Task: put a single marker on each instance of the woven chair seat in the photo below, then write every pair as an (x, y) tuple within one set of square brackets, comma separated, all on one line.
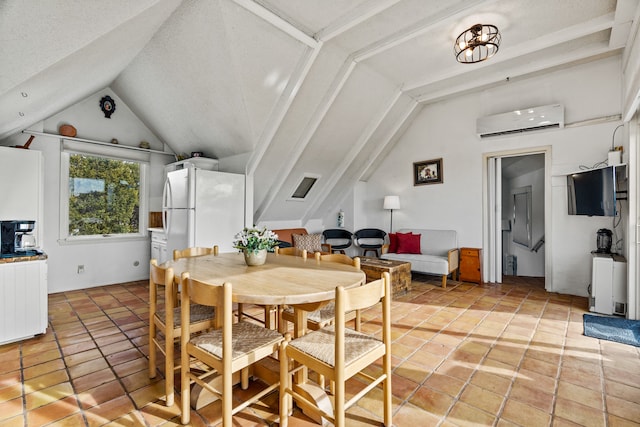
[(197, 313), (247, 337), (321, 344)]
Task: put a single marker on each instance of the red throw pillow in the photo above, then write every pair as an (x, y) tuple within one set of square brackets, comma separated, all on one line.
[(409, 243), (393, 241)]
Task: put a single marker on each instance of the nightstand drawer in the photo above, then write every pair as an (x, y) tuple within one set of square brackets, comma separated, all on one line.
[(470, 252), (471, 265)]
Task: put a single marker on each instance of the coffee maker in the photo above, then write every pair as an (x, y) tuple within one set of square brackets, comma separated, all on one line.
[(604, 241), (16, 238)]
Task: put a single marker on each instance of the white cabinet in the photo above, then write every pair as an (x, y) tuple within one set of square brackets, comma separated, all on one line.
[(159, 245), (23, 300), (608, 284)]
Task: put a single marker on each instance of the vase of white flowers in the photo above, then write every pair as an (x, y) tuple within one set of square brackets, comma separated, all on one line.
[(255, 243)]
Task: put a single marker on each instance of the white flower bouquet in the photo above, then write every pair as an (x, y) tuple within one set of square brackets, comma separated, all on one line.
[(254, 240)]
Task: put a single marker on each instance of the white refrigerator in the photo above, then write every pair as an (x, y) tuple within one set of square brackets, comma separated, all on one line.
[(203, 208)]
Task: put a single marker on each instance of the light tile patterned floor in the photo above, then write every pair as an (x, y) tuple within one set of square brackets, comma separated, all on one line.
[(501, 355)]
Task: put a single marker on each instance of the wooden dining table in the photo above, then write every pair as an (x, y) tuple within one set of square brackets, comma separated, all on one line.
[(281, 280), (304, 284)]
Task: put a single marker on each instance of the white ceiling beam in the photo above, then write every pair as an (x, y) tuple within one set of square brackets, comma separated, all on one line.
[(311, 128), (625, 13), (417, 29), (278, 22), (571, 33), (353, 18), (282, 108), (353, 153), (633, 33), (392, 138), (350, 177), (482, 81)]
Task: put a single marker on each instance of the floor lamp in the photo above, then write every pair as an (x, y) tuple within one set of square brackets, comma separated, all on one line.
[(391, 203)]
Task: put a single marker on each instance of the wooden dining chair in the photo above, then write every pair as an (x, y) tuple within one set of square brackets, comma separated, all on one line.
[(325, 315), (195, 251), (229, 348), (291, 251), (338, 353), (164, 323)]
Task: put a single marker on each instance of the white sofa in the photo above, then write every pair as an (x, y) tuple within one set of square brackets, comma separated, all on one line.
[(439, 253)]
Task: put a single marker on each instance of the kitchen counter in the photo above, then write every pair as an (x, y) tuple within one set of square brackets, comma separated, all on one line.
[(39, 257)]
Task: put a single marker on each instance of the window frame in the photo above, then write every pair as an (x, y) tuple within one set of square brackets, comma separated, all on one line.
[(70, 148)]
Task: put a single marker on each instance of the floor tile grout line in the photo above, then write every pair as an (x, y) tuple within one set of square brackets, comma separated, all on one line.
[(500, 411), (103, 356), (545, 317), (66, 367), (467, 382)]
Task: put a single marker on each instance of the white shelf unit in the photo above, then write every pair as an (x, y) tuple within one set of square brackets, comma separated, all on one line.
[(608, 284), (23, 300)]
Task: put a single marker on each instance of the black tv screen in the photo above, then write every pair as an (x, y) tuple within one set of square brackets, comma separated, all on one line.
[(592, 192)]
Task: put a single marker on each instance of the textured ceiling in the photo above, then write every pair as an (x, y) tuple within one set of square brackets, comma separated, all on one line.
[(321, 87)]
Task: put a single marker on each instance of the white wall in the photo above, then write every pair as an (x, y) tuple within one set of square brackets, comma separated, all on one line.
[(447, 130), (104, 262)]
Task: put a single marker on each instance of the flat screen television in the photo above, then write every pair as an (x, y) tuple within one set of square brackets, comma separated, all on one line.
[(592, 192)]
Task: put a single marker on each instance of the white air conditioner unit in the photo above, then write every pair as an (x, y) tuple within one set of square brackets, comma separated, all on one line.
[(518, 121)]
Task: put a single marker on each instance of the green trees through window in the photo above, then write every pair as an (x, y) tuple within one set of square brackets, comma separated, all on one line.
[(104, 196)]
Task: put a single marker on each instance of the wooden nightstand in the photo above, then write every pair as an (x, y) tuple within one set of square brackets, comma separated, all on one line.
[(471, 265)]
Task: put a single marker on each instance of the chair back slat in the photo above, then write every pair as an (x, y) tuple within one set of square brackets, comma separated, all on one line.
[(160, 275), (195, 251), (292, 250), (361, 297), (203, 293)]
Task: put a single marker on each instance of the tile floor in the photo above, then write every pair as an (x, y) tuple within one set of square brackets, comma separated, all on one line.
[(502, 355)]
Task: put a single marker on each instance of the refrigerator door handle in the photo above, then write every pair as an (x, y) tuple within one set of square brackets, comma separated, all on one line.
[(166, 204)]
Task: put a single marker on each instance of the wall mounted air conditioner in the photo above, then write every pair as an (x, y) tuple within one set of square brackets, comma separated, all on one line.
[(518, 121)]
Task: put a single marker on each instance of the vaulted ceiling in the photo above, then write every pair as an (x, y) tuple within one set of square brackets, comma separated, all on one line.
[(315, 87)]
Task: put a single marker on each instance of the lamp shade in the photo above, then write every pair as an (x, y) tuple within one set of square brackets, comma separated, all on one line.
[(391, 202)]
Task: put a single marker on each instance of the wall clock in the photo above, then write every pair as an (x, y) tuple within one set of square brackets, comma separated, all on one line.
[(108, 106)]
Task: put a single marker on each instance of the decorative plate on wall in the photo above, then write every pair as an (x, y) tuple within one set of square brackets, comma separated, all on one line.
[(108, 106)]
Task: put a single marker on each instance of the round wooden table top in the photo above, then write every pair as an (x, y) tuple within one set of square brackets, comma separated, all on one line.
[(283, 279)]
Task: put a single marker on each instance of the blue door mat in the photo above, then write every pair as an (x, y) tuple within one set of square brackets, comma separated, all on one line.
[(616, 329)]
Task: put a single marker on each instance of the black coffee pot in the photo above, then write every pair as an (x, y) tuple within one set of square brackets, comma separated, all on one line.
[(604, 241)]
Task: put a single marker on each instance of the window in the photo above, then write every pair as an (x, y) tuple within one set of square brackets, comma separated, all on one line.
[(101, 196), (304, 187)]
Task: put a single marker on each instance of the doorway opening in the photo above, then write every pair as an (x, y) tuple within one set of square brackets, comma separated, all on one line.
[(517, 206)]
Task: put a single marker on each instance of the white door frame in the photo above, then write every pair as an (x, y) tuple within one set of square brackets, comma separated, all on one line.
[(633, 233), (491, 232)]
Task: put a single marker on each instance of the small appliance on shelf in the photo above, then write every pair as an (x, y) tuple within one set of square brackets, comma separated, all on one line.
[(204, 163), (17, 238)]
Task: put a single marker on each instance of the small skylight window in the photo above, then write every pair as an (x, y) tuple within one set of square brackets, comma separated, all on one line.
[(304, 187)]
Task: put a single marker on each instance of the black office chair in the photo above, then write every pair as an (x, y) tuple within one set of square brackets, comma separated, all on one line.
[(339, 239), (370, 240)]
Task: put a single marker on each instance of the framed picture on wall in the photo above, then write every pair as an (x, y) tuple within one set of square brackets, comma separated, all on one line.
[(427, 172)]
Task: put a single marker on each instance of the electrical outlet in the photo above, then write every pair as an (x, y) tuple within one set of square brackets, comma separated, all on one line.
[(80, 269)]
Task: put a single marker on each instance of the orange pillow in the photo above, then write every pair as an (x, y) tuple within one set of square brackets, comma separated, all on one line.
[(409, 243)]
